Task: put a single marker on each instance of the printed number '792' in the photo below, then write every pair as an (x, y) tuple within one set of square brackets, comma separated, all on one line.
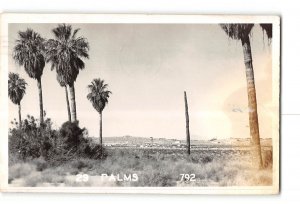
[(187, 177)]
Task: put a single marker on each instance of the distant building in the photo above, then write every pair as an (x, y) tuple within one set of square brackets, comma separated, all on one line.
[(177, 142)]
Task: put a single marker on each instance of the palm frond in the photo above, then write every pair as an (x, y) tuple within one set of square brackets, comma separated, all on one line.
[(60, 80), (66, 52), (29, 52), (98, 94), (75, 32), (237, 31), (267, 27), (16, 88)]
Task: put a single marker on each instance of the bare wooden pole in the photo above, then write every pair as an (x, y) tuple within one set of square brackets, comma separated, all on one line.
[(188, 139)]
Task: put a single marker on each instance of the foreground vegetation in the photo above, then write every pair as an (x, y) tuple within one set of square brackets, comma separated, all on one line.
[(154, 168), (41, 156)]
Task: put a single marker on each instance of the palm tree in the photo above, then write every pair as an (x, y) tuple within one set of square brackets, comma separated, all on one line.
[(29, 52), (65, 53), (63, 84), (16, 91), (241, 32), (98, 95)]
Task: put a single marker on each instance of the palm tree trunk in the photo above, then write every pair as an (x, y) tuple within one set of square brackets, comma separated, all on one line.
[(73, 103), (100, 131), (187, 124), (252, 104), (39, 84), (20, 118), (68, 104)]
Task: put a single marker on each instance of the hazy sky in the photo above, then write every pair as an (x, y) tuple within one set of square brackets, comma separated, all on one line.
[(148, 67)]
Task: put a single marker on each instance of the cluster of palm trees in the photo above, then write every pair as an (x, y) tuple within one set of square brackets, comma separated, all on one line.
[(65, 53)]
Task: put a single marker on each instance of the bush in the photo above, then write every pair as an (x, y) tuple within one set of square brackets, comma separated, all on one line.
[(72, 143), (207, 159), (33, 141), (71, 134), (40, 163), (267, 157), (80, 164), (20, 170)]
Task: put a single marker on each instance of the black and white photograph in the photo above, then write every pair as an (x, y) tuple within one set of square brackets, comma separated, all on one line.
[(137, 103)]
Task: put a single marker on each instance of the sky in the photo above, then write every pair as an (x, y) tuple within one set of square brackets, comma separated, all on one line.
[(148, 67)]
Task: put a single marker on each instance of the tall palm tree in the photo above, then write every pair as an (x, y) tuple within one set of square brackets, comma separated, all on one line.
[(98, 95), (65, 52), (63, 84), (29, 52), (16, 91), (241, 32)]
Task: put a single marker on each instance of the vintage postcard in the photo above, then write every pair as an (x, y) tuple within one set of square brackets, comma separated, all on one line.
[(168, 104)]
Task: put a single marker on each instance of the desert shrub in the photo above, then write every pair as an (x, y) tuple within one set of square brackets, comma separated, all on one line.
[(55, 176), (267, 157), (20, 170), (207, 159), (40, 163), (91, 150), (156, 177), (71, 135), (73, 144), (13, 159), (31, 140), (80, 164), (33, 179), (195, 158)]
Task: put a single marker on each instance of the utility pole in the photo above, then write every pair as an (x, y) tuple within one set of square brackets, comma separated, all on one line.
[(188, 139)]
